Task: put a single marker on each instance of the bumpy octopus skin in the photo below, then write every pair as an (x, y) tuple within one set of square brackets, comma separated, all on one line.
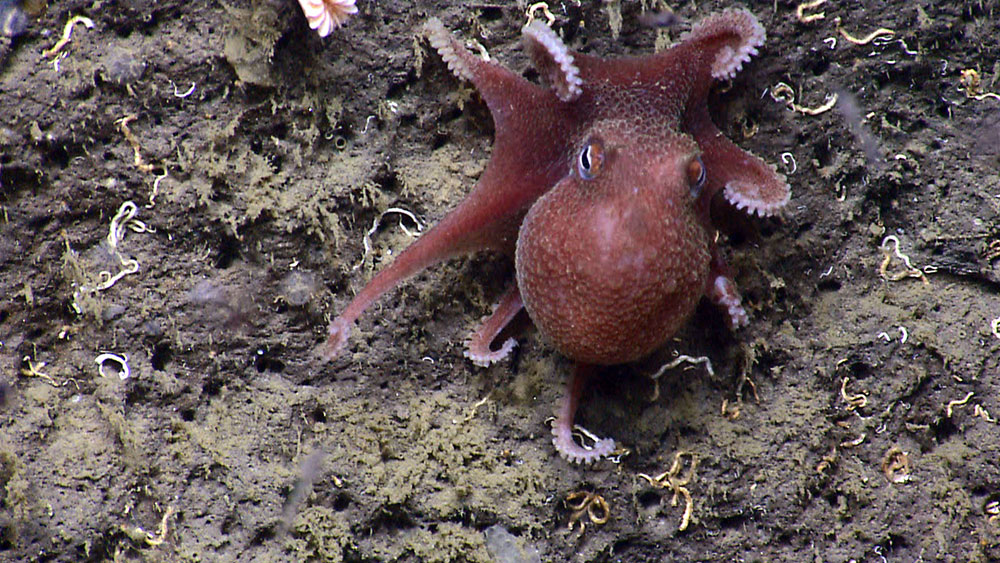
[(601, 187)]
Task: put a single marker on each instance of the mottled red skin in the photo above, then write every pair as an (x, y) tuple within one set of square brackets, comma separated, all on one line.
[(608, 265), (609, 268)]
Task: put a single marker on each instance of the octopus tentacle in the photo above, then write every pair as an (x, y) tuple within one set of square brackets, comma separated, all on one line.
[(721, 291), (478, 345), (460, 62), (763, 198), (724, 294), (746, 181), (553, 60), (496, 84), (730, 57), (562, 428), (337, 334)]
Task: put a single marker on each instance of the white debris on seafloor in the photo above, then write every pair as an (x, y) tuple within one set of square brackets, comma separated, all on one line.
[(327, 15)]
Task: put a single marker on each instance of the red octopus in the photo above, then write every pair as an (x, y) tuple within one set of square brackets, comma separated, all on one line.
[(600, 186)]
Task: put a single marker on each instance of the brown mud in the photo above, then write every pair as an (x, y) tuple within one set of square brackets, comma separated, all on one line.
[(835, 427)]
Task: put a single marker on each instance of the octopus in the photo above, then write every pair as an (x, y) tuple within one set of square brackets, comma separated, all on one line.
[(603, 184)]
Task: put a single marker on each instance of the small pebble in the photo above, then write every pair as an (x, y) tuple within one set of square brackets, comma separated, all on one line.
[(112, 312), (505, 547), (152, 329), (34, 8), (122, 68), (13, 20), (298, 287)]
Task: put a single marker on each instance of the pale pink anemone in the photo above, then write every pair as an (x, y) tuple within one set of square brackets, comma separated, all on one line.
[(327, 15)]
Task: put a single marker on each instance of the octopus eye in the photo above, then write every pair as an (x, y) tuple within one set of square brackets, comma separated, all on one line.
[(696, 175), (591, 159)]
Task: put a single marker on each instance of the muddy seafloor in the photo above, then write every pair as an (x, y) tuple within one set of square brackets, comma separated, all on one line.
[(853, 419)]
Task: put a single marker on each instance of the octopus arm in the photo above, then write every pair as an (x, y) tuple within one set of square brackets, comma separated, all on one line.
[(553, 60), (745, 180), (730, 38), (496, 84), (478, 345), (562, 427)]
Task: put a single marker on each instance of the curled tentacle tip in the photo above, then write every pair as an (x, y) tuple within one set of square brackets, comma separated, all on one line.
[(327, 352), (731, 58), (574, 453), (578, 455), (763, 201), (483, 357), (432, 25), (336, 341), (452, 52), (554, 60)]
